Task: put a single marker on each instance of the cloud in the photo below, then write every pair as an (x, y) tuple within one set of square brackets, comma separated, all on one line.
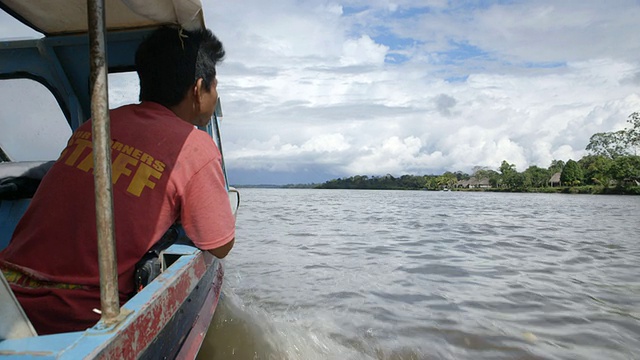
[(362, 51), (444, 104), (331, 89), (480, 85)]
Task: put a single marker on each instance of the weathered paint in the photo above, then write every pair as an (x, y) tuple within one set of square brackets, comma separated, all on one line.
[(151, 320), (41, 347), (26, 353), (151, 310), (175, 336), (193, 342)]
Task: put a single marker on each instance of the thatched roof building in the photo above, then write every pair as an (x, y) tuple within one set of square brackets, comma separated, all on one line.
[(555, 180), (482, 183)]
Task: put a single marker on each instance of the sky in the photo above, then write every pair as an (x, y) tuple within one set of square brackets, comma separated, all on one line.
[(315, 90)]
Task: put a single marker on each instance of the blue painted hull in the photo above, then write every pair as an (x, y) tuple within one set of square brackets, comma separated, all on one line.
[(167, 319)]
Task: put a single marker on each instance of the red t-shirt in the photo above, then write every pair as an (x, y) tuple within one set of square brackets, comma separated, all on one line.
[(163, 170)]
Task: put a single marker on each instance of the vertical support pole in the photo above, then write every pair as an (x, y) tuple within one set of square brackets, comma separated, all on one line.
[(216, 124), (102, 163)]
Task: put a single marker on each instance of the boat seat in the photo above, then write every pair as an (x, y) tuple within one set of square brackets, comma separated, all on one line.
[(18, 181), (30, 169), (14, 323)]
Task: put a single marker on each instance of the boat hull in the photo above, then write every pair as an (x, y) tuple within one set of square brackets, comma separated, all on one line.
[(167, 319)]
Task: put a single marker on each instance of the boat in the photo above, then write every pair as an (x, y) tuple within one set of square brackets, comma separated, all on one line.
[(170, 316)]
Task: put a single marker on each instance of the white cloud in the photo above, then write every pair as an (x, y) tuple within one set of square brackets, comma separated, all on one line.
[(392, 156), (326, 143), (363, 51), (309, 84)]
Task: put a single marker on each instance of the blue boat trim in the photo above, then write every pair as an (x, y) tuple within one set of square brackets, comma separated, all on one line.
[(100, 341)]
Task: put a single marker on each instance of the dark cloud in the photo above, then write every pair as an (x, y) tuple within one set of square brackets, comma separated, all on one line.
[(633, 79), (444, 104), (309, 174)]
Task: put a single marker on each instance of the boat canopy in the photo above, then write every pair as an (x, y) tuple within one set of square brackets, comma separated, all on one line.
[(54, 18)]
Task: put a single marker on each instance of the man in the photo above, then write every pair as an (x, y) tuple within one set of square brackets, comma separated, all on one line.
[(163, 170)]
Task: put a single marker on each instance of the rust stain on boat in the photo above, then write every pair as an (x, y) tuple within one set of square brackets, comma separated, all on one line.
[(144, 329)]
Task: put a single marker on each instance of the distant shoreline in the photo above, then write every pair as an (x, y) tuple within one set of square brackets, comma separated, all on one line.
[(588, 189), (270, 186)]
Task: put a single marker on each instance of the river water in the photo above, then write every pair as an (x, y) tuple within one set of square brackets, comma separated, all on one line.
[(348, 274)]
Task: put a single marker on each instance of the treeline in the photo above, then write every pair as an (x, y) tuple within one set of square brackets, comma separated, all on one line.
[(387, 182), (612, 163)]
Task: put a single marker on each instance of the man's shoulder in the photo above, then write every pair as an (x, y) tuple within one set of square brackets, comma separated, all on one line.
[(149, 117), (198, 135), (145, 109), (202, 143)]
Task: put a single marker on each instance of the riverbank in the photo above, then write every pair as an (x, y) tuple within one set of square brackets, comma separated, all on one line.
[(589, 189)]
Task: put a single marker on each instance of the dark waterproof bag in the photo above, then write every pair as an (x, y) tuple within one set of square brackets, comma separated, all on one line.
[(150, 266)]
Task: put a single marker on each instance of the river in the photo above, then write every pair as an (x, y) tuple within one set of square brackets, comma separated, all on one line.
[(348, 274)]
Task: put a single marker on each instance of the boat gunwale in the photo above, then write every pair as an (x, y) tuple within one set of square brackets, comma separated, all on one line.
[(161, 300)]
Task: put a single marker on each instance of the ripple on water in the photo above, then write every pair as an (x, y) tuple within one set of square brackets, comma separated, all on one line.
[(302, 234), (319, 266), (436, 269), (421, 256), (382, 250), (407, 298), (343, 295)]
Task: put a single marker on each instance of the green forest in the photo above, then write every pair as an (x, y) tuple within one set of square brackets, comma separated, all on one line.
[(612, 166)]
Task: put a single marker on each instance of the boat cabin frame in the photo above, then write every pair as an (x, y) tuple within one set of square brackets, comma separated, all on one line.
[(170, 316)]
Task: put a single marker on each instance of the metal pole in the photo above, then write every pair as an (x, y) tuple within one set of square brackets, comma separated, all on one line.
[(217, 114), (102, 163)]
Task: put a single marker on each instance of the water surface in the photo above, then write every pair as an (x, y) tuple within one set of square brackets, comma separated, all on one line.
[(347, 274)]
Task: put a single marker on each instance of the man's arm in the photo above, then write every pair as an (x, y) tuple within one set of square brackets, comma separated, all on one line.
[(223, 250), (205, 210)]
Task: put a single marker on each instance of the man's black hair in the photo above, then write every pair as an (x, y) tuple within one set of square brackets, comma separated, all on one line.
[(171, 60)]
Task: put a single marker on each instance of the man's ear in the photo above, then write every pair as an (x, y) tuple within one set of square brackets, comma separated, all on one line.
[(198, 89)]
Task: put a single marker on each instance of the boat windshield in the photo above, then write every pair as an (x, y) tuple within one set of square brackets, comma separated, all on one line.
[(33, 125), (124, 88)]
